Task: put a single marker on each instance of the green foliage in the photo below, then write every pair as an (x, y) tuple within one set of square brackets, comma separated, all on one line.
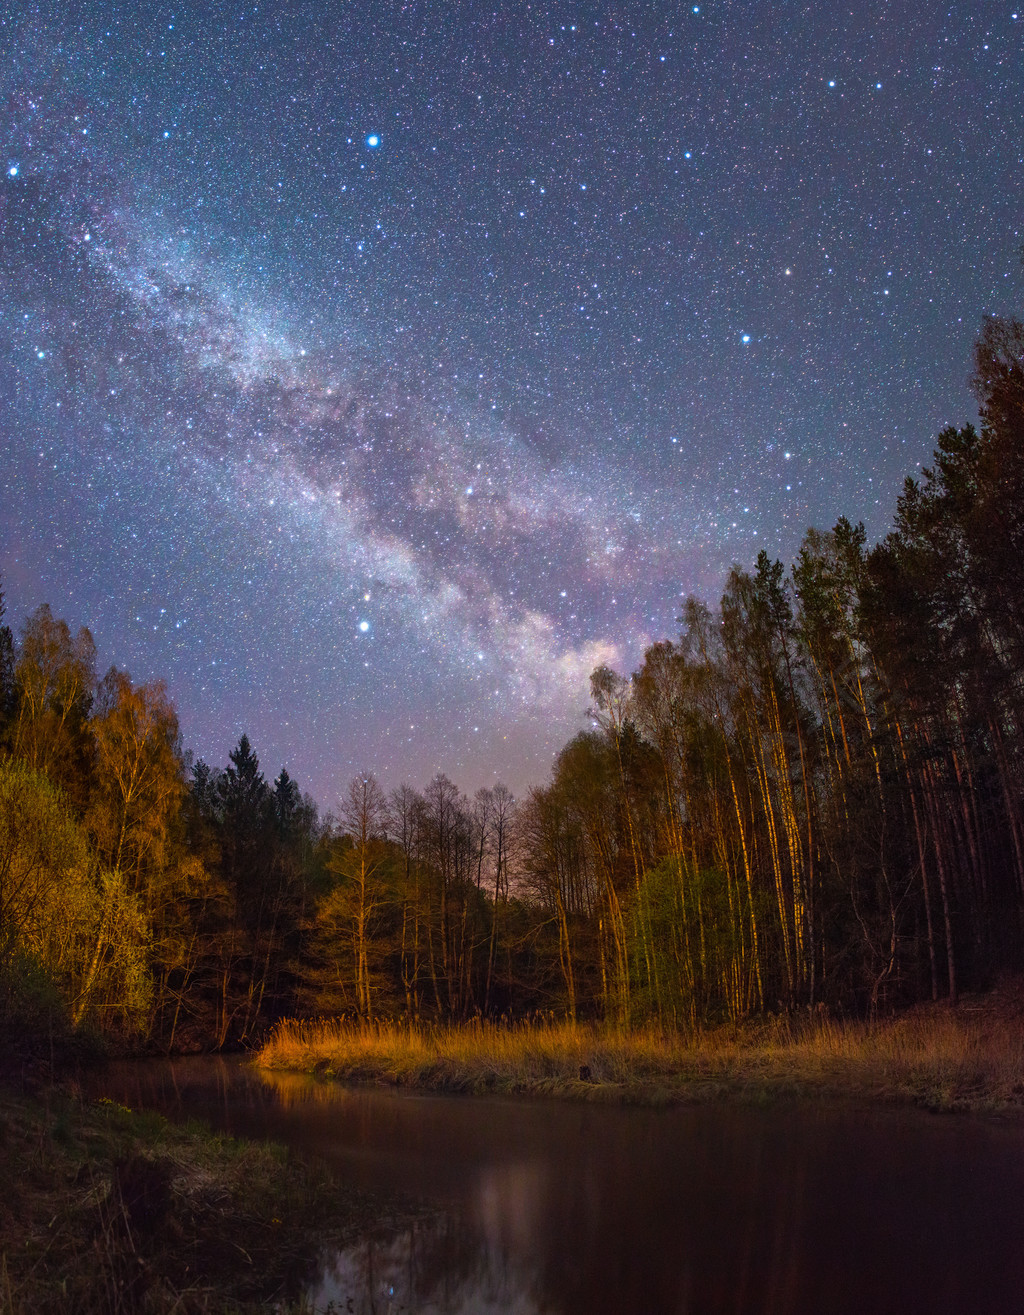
[(65, 922), (42, 855)]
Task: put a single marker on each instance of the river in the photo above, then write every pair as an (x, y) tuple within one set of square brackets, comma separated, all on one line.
[(584, 1209)]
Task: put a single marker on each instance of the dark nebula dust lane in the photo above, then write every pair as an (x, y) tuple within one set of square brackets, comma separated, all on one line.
[(371, 374)]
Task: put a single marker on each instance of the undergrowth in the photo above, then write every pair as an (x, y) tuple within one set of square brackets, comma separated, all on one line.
[(109, 1212)]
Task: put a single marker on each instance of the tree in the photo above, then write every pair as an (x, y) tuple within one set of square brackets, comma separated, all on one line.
[(40, 847), (501, 815), (243, 823), (63, 910), (405, 809), (446, 849), (995, 531), (139, 777), (361, 859), (54, 680), (554, 859), (757, 635)]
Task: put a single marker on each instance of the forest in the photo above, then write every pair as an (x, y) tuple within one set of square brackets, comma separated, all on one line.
[(813, 797)]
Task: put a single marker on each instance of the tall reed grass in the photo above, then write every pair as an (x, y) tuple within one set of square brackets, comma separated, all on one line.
[(939, 1058)]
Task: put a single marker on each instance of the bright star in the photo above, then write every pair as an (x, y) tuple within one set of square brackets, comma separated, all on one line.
[(12, 171), (373, 140), (364, 626), (745, 338)]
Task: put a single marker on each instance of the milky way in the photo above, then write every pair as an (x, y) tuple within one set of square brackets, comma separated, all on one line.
[(372, 373)]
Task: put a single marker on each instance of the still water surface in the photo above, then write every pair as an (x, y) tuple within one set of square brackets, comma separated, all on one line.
[(574, 1209)]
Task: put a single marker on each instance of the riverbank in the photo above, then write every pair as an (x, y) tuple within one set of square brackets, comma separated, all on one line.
[(106, 1210), (970, 1058)]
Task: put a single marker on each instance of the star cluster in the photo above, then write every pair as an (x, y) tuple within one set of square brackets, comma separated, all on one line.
[(372, 373)]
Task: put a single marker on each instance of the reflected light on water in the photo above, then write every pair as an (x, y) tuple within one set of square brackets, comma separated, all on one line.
[(573, 1209), (433, 1269)]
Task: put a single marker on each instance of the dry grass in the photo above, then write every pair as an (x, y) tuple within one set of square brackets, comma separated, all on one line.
[(972, 1058)]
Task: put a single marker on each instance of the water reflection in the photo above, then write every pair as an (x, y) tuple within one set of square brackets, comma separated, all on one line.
[(581, 1209), (435, 1268)]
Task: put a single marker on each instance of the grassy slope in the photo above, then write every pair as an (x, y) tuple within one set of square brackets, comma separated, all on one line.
[(971, 1058), (103, 1210)]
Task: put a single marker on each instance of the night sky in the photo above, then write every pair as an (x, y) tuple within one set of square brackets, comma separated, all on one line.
[(371, 372)]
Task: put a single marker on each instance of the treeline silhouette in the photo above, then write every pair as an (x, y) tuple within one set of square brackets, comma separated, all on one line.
[(814, 796)]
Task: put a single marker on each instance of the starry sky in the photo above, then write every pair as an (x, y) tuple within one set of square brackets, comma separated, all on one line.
[(372, 372)]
